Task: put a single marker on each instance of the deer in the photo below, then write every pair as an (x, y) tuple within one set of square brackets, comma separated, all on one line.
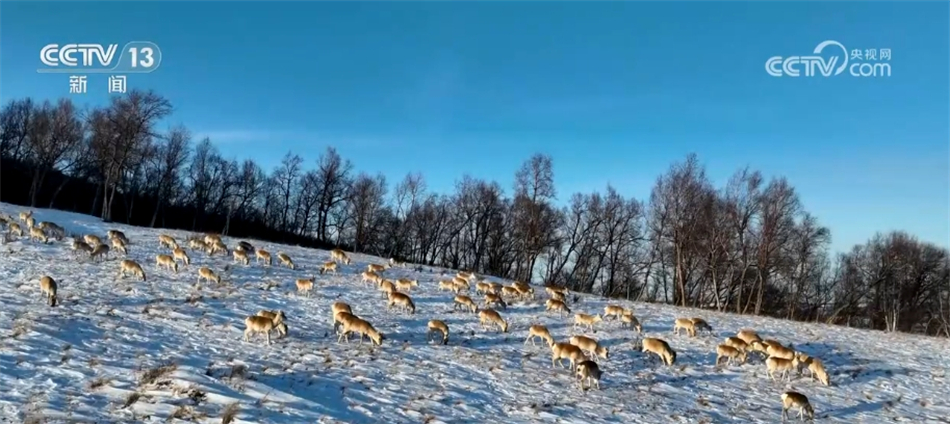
[(794, 399), (459, 281), (539, 331), (305, 285), (38, 234), (92, 240), (339, 255), (490, 317), (15, 229), (241, 256), (119, 245), (701, 324), (165, 240), (263, 255), (510, 292), (100, 250), (281, 326), (180, 254), (615, 311), (661, 348), (246, 247), (48, 287), (403, 300), (562, 350), (363, 327), (684, 324), (493, 299), (781, 365), (258, 324), (328, 267), (815, 367), (588, 320), (730, 353), (212, 238), (132, 267), (446, 285), (205, 273), (463, 301), (628, 319), (438, 326), (748, 336), (81, 246), (406, 284), (166, 261), (340, 306), (590, 345), (588, 370), (524, 292), (387, 287), (371, 277), (59, 232), (556, 305), (736, 343), (111, 234)]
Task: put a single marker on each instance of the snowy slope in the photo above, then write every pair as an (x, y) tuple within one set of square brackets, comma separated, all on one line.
[(122, 350)]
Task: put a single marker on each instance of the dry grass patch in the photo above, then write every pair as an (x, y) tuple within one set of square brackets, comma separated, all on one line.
[(152, 375)]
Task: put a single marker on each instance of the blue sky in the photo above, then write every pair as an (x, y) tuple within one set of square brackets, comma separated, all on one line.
[(614, 91)]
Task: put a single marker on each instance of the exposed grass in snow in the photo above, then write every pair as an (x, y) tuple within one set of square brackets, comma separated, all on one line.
[(171, 350)]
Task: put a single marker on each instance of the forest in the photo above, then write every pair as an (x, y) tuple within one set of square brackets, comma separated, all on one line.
[(748, 246)]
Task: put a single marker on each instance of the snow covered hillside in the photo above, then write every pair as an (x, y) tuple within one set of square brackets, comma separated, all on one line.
[(122, 350)]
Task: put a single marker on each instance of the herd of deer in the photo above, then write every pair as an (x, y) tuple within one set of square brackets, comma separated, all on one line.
[(778, 358)]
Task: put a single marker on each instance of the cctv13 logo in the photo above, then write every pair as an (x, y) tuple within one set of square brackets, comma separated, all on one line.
[(135, 57)]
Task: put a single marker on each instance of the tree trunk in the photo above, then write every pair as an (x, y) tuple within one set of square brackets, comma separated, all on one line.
[(52, 200), (158, 205), (679, 276), (95, 200), (128, 219), (39, 174), (105, 201), (115, 188)]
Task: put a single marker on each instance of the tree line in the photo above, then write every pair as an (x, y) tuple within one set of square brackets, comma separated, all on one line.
[(746, 247)]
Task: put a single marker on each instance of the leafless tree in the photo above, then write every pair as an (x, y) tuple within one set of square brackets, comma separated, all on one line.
[(168, 163), (333, 177), (535, 220), (366, 202), (285, 178), (121, 136), (14, 126), (679, 199), (53, 134)]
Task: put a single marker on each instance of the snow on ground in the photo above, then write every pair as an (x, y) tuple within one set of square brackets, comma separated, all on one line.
[(122, 350)]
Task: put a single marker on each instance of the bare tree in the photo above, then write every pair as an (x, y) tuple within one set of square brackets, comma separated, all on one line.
[(54, 132), (679, 198), (333, 175), (285, 177), (15, 122), (534, 218), (121, 135), (251, 185), (779, 207), (741, 208), (170, 160), (366, 202)]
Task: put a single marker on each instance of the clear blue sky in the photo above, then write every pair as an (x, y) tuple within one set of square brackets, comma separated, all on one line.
[(614, 91)]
